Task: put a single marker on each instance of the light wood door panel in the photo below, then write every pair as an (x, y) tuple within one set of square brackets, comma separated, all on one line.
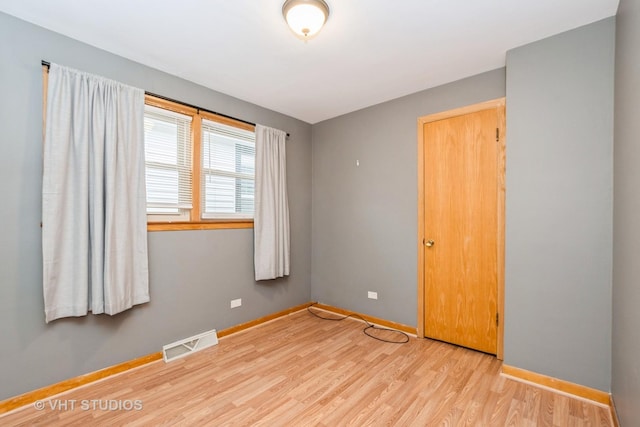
[(461, 218)]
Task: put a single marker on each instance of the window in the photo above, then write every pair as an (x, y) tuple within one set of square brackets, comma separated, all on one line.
[(200, 168), (228, 171), (167, 140)]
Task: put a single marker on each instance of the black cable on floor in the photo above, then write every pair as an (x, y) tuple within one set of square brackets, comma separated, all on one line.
[(369, 326)]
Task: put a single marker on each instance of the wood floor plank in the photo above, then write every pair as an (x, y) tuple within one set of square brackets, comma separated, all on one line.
[(303, 371), (561, 410)]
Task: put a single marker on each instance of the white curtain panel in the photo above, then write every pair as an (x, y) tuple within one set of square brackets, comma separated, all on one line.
[(94, 230), (271, 220)]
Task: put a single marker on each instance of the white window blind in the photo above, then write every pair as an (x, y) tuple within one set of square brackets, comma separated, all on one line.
[(167, 137), (228, 171)]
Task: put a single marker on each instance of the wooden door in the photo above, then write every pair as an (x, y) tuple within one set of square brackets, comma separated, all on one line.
[(462, 199)]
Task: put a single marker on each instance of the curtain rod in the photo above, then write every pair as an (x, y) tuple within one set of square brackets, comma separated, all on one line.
[(48, 65)]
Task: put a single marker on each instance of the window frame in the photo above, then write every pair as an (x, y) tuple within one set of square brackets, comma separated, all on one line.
[(196, 222)]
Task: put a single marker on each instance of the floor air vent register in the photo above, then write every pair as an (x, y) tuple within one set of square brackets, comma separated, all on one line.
[(189, 345)]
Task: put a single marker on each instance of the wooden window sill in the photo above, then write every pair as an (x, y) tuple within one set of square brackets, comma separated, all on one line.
[(208, 225)]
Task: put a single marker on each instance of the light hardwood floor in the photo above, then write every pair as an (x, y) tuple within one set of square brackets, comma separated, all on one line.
[(300, 370)]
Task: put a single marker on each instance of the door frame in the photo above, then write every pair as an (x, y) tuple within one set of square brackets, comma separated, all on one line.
[(495, 103)]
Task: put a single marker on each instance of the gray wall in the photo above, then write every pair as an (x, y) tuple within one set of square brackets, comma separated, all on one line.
[(365, 217), (625, 381), (559, 205), (194, 274)]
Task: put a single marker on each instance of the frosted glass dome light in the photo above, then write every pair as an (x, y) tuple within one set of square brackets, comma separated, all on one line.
[(305, 17)]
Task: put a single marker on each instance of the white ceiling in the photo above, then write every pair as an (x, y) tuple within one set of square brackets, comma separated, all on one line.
[(370, 51)]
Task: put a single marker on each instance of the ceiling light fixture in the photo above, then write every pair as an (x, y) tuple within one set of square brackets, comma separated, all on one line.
[(305, 17)]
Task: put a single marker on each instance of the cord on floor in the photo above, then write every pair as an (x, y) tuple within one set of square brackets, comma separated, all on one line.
[(369, 326)]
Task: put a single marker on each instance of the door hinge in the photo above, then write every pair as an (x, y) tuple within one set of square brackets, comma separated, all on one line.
[(497, 134), (497, 319)]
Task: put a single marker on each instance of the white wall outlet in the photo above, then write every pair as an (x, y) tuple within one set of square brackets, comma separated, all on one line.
[(372, 295), (236, 302)]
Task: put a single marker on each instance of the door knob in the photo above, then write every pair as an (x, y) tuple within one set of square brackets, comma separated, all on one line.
[(429, 243)]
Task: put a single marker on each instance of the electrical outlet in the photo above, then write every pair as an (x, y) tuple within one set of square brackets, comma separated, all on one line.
[(236, 302), (372, 295)]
